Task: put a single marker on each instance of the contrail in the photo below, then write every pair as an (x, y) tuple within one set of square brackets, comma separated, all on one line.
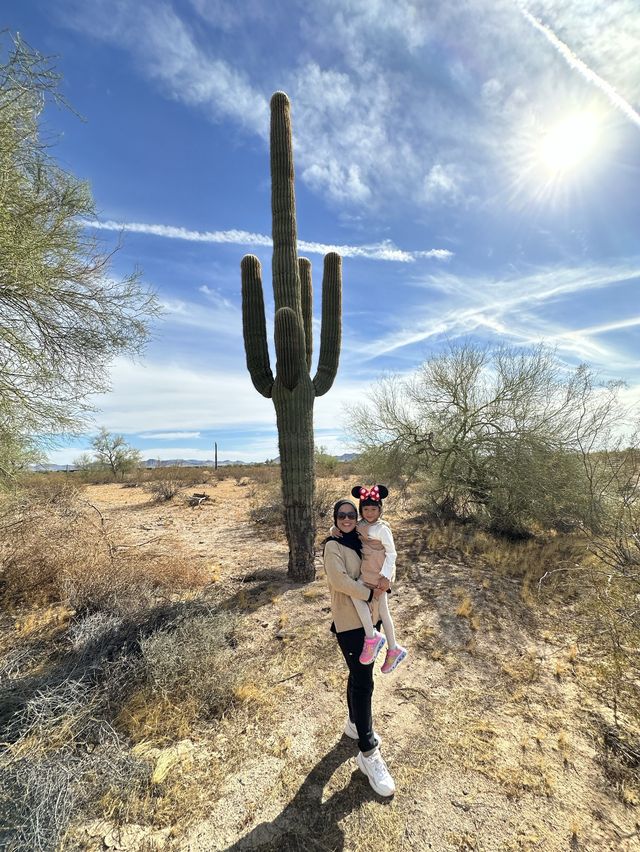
[(385, 250), (574, 62)]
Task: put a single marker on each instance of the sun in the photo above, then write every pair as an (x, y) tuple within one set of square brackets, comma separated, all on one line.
[(570, 143)]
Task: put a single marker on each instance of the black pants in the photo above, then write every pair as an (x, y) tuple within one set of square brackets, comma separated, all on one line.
[(359, 686)]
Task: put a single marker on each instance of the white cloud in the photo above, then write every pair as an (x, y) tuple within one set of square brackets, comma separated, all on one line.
[(573, 61), (604, 33), (377, 87), (223, 318), (443, 184), (157, 398), (512, 309), (169, 436), (385, 250)]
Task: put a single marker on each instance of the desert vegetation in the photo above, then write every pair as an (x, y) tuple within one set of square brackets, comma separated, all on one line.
[(158, 668)]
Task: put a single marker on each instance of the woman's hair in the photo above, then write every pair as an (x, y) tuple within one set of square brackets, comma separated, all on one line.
[(370, 496)]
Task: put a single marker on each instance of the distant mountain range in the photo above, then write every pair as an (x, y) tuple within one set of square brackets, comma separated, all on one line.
[(155, 463)]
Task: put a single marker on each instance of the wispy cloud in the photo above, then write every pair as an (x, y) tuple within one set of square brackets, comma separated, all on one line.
[(612, 95), (169, 436), (222, 317), (385, 250), (156, 398), (511, 309)]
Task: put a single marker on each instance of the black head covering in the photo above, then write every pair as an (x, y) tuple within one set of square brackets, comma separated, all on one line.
[(350, 539)]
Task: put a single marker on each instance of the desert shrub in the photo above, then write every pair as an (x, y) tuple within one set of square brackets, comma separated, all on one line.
[(57, 547), (326, 464), (190, 664), (267, 508), (230, 471), (264, 474), (151, 674), (41, 793), (611, 597), (182, 476), (163, 489), (507, 437)]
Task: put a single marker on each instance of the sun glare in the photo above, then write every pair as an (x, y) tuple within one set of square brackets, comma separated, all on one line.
[(569, 143)]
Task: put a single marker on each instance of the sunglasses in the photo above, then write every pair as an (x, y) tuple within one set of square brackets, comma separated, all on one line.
[(343, 515)]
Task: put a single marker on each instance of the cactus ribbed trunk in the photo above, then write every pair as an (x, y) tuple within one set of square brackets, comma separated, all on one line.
[(294, 415), (293, 391)]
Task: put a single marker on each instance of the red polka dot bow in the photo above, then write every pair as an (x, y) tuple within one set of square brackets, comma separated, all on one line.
[(372, 494)]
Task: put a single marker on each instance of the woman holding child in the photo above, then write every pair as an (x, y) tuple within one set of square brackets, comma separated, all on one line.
[(343, 564)]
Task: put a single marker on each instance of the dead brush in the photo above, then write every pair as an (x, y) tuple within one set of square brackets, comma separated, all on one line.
[(554, 557), (153, 676), (57, 547), (267, 508), (191, 672), (164, 489), (181, 477)]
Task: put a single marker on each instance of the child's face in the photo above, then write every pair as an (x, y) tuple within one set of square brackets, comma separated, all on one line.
[(371, 513)]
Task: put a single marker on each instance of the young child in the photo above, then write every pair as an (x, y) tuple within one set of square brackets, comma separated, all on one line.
[(377, 571)]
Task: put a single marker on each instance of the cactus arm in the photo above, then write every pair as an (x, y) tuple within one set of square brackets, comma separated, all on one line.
[(289, 340), (331, 331), (286, 280), (306, 296), (254, 326)]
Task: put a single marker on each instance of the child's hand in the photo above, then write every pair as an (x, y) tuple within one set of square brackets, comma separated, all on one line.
[(384, 584), (334, 532)]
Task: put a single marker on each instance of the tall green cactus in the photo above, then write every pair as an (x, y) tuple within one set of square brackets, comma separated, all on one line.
[(293, 391)]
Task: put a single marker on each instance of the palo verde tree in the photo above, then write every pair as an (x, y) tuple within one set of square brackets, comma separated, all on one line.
[(62, 318), (508, 437), (293, 391), (112, 453)]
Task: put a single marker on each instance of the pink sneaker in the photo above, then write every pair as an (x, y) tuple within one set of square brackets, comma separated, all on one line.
[(393, 659), (372, 648)]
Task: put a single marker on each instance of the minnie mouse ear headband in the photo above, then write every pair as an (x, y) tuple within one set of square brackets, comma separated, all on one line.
[(370, 496)]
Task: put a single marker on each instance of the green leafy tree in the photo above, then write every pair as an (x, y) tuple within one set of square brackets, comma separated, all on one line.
[(113, 453), (62, 318), (505, 436), (326, 464)]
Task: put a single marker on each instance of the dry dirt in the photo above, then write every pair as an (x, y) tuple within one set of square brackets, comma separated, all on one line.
[(487, 728)]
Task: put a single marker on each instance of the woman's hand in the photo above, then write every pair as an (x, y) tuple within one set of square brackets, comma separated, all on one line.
[(384, 584), (378, 593)]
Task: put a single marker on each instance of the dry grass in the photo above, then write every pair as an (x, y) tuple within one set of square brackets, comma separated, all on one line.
[(189, 698), (57, 548), (267, 511), (529, 560), (153, 680)]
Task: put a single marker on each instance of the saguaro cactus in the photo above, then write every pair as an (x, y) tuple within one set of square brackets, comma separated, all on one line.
[(292, 390)]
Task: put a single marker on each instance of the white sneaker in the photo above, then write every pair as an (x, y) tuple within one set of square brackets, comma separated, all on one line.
[(376, 771), (351, 731)]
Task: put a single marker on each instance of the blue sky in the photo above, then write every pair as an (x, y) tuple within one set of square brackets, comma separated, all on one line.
[(477, 163)]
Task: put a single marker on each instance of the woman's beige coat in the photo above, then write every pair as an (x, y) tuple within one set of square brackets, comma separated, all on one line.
[(342, 569)]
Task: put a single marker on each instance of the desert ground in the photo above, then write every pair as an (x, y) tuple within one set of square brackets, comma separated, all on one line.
[(490, 729)]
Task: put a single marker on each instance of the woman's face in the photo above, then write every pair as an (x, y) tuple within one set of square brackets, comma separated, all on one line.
[(371, 513), (346, 517)]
